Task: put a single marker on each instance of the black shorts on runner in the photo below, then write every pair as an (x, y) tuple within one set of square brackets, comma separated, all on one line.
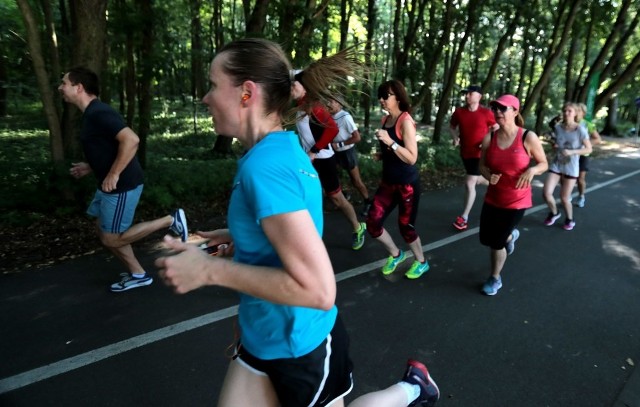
[(496, 224), (471, 166), (347, 159), (328, 174), (309, 380), (584, 163)]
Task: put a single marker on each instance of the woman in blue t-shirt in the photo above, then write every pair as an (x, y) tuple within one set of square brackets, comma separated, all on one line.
[(293, 348)]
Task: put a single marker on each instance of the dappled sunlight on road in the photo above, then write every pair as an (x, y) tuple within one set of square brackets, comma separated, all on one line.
[(617, 248)]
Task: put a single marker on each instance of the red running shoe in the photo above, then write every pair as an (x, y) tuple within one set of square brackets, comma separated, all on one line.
[(417, 373), (460, 223)]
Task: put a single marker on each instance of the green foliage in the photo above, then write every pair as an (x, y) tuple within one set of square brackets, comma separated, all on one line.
[(171, 182), (181, 169)]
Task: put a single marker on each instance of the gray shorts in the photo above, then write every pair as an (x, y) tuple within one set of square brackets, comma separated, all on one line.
[(347, 159), (115, 211)]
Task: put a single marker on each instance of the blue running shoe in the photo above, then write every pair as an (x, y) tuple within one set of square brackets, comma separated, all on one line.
[(492, 286), (128, 282), (358, 237), (418, 374), (392, 263), (511, 244), (179, 225), (417, 269)]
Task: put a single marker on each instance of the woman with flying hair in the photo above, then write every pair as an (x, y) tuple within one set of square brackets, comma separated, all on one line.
[(293, 348)]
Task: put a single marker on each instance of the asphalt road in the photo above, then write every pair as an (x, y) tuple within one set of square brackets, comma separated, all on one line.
[(563, 331)]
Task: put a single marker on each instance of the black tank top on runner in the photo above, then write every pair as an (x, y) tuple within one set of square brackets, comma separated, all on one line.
[(394, 170)]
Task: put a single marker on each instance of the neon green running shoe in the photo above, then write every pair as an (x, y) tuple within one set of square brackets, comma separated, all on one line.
[(392, 263), (358, 237), (417, 269)]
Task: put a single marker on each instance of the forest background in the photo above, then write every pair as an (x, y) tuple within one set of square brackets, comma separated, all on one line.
[(153, 56)]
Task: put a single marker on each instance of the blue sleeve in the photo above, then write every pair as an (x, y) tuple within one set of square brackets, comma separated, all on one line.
[(274, 189)]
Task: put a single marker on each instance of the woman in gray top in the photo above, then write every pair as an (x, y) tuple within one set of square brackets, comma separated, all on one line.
[(571, 142)]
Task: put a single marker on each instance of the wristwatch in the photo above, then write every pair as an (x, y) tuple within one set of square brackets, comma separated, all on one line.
[(394, 146)]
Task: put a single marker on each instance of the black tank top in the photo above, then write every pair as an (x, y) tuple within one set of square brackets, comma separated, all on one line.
[(394, 170)]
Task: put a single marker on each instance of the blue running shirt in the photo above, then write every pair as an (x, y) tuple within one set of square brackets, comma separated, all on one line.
[(275, 177)]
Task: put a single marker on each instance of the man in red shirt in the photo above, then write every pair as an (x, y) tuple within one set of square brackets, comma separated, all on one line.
[(469, 125)]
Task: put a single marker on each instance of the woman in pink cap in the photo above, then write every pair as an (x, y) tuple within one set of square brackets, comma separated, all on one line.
[(505, 163)]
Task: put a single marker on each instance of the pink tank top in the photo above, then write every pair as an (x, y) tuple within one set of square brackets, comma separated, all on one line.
[(511, 162)]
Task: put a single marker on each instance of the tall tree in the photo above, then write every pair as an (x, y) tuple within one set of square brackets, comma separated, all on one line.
[(410, 16), (569, 11), (438, 35), (620, 80), (197, 52), (311, 15), (443, 108), (146, 62), (599, 62), (42, 76), (257, 18), (367, 90), (504, 40)]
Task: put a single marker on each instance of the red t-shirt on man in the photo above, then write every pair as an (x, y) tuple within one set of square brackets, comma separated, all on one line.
[(473, 126)]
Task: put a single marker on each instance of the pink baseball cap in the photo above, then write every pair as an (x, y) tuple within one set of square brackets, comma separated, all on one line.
[(507, 100)]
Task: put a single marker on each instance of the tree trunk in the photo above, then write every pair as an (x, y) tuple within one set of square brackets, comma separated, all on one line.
[(611, 125), (130, 77), (258, 18), (526, 61), (88, 34), (46, 93), (432, 54), (540, 117), (325, 34), (286, 32), (587, 49), (443, 109), (554, 54), (4, 78), (621, 47), (52, 44), (597, 65), (216, 25), (620, 80), (367, 86), (569, 82), (344, 22), (197, 62), (504, 40), (414, 15), (146, 62)]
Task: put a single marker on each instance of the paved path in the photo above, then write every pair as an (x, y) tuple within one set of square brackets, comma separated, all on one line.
[(563, 331)]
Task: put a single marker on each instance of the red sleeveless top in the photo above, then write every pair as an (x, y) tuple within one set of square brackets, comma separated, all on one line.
[(511, 162)]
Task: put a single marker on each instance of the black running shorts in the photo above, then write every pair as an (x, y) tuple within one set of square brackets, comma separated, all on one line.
[(315, 379)]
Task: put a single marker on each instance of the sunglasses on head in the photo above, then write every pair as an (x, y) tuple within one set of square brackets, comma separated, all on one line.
[(385, 95), (496, 107)]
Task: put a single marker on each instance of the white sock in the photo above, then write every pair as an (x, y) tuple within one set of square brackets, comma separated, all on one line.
[(412, 390), (139, 275)]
